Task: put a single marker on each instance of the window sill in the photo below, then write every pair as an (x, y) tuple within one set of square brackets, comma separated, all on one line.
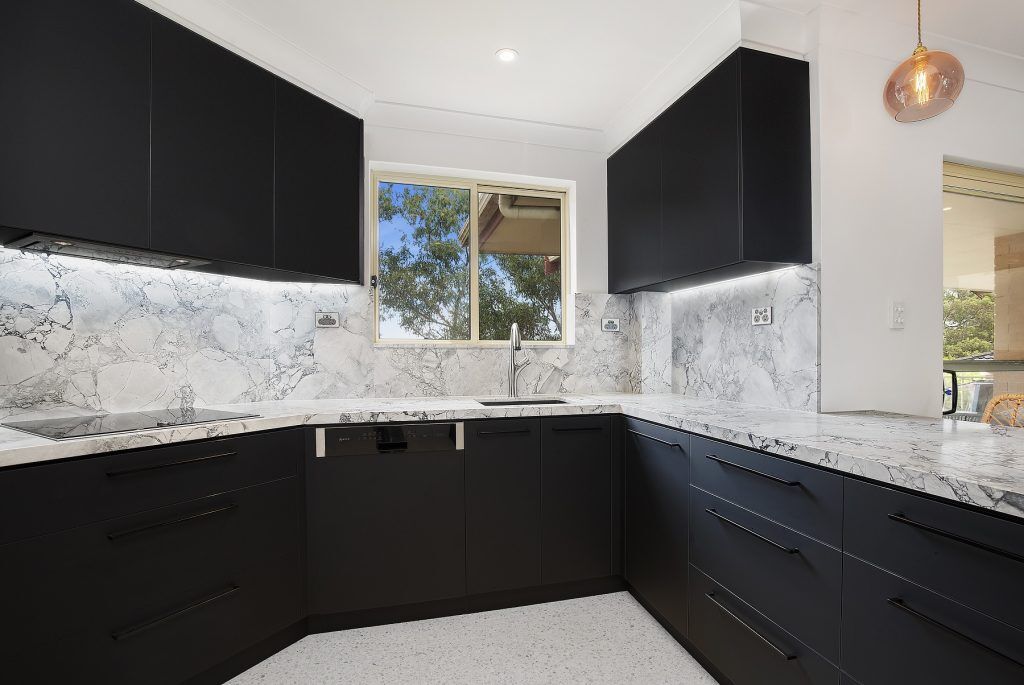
[(466, 345)]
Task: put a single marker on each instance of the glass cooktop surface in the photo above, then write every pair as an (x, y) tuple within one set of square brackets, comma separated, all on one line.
[(63, 428)]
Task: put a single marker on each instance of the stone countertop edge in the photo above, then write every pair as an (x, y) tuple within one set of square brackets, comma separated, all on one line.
[(968, 463)]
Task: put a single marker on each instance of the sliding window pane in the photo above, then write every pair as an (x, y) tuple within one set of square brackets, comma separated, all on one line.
[(423, 257), (521, 267)]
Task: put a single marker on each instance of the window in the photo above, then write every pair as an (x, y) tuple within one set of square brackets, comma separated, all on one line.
[(461, 261)]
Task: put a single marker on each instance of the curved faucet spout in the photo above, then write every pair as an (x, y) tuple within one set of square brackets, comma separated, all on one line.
[(515, 344)]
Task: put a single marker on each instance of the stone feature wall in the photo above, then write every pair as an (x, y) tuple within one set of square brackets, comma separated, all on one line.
[(718, 354), (112, 337)]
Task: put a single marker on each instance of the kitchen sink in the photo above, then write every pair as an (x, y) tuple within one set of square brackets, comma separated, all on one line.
[(515, 401)]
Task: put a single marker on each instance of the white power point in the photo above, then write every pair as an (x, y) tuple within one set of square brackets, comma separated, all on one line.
[(897, 315), (761, 316)]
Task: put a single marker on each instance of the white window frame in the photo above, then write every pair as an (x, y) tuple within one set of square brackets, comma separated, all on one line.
[(475, 187)]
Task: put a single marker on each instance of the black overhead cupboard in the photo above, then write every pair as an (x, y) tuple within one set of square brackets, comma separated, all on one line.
[(125, 136), (719, 185)]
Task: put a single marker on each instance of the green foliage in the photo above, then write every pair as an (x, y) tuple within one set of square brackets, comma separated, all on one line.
[(424, 281), (515, 289), (969, 323)]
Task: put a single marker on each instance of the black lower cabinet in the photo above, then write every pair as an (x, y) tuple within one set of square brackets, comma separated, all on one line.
[(793, 579), (385, 529), (656, 518), (502, 504), (747, 647), (896, 632), (159, 596), (576, 498)]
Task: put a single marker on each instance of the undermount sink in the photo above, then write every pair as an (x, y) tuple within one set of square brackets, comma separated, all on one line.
[(515, 401)]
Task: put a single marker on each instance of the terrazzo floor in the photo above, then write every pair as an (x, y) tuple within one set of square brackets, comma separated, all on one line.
[(603, 639)]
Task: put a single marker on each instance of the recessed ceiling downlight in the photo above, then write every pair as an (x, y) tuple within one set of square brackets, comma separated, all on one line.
[(507, 55)]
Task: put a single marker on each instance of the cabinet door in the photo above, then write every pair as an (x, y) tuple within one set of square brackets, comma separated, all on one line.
[(657, 474), (576, 498), (385, 530), (700, 176), (634, 212), (502, 504), (74, 125), (213, 150), (318, 169)]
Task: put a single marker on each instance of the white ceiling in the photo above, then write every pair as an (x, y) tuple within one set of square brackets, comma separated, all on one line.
[(581, 61), (969, 230)]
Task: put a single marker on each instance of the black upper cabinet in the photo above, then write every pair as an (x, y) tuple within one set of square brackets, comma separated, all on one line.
[(726, 172), (74, 125), (634, 212), (213, 151), (700, 205), (318, 180)]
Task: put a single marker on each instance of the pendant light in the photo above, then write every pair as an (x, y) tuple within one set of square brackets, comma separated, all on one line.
[(924, 85)]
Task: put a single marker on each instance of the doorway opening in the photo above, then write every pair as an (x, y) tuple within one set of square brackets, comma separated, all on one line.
[(982, 290)]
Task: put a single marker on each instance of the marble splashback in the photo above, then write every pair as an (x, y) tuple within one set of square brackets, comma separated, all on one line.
[(121, 338), (718, 354)]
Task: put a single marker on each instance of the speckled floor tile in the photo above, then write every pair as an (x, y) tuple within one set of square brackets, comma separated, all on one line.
[(604, 639)]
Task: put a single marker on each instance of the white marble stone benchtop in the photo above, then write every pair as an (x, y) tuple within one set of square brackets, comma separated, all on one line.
[(966, 462)]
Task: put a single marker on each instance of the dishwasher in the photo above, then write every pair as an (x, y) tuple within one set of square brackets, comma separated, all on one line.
[(395, 493)]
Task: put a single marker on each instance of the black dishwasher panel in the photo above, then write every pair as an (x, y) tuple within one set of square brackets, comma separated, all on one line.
[(386, 516)]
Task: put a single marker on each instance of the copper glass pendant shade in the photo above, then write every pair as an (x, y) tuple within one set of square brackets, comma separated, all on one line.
[(925, 84)]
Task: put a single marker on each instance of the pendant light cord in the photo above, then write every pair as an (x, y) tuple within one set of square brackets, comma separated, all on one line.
[(920, 45)]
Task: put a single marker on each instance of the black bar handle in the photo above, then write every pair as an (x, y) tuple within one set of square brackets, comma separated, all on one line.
[(152, 467), (651, 437), (516, 431), (774, 647), (899, 517), (903, 606), (128, 532), (170, 615), (741, 467), (577, 429), (787, 550)]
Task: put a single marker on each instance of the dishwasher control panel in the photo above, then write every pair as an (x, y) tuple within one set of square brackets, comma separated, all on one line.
[(348, 441)]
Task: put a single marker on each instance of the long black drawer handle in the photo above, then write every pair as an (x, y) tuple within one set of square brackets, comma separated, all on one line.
[(787, 550), (152, 467), (577, 429), (902, 606), (171, 615), (901, 518), (128, 532), (516, 431), (651, 437), (741, 467), (775, 648)]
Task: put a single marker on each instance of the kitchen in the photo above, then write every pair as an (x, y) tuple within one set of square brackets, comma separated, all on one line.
[(340, 358)]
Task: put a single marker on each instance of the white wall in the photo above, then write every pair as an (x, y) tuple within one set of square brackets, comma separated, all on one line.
[(398, 145), (880, 208)]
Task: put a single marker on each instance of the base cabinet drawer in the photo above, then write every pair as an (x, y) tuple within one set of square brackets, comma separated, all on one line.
[(108, 571), (969, 556), (896, 632), (801, 497), (172, 642), (744, 645), (792, 579), (51, 497)]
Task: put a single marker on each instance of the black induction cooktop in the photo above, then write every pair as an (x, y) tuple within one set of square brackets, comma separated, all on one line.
[(63, 428)]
